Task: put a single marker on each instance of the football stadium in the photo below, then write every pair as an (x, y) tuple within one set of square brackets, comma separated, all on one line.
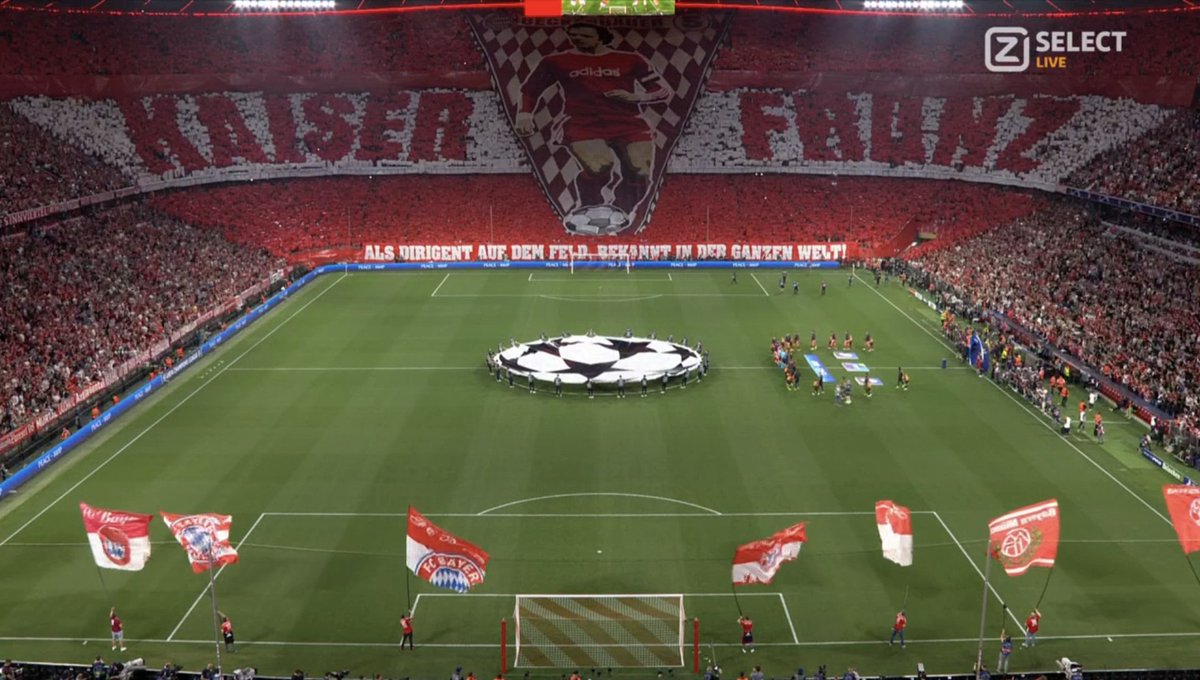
[(599, 340)]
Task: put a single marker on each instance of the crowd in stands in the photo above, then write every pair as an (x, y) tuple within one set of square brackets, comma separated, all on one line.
[(299, 216), (84, 296), (1126, 310), (34, 42), (80, 44), (1161, 168), (36, 169)]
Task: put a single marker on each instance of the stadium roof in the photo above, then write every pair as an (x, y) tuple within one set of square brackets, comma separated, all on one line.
[(1026, 8)]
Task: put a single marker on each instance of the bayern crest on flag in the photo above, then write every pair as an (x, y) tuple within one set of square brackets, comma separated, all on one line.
[(119, 540), (205, 538), (442, 558)]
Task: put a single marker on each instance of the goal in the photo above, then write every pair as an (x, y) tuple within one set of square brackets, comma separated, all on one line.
[(590, 631), (595, 261)]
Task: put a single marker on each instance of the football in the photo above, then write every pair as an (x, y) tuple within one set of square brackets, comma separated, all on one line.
[(596, 220)]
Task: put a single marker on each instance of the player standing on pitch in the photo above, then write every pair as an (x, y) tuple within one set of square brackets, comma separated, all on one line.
[(603, 92), (407, 627), (118, 629), (747, 633)]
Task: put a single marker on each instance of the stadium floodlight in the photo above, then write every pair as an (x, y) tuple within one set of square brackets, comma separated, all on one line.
[(914, 5), (284, 5)]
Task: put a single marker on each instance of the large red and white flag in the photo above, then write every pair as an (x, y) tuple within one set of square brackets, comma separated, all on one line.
[(120, 540), (442, 558), (205, 537), (758, 561), (1026, 537), (1183, 502), (895, 532)]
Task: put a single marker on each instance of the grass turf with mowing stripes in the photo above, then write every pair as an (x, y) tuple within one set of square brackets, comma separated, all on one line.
[(366, 393)]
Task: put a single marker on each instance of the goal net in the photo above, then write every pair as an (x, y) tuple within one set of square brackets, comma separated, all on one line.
[(589, 631), (591, 262)]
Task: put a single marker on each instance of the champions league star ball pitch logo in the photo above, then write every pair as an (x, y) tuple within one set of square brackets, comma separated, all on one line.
[(575, 359)]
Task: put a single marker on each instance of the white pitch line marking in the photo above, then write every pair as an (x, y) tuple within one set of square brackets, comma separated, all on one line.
[(164, 416), (484, 645), (1011, 615), (588, 494), (214, 578), (586, 515), (760, 286), (447, 276), (788, 614)]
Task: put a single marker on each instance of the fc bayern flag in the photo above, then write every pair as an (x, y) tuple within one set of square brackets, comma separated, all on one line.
[(205, 537), (120, 540), (757, 562), (1026, 537), (442, 558), (1183, 502), (895, 532)]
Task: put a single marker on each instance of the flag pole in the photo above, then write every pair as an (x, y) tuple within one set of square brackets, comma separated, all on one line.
[(1188, 559), (108, 595), (904, 604), (733, 587), (407, 592), (212, 589), (1048, 575), (987, 569)]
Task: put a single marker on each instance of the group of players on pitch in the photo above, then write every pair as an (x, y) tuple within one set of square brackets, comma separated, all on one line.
[(783, 354)]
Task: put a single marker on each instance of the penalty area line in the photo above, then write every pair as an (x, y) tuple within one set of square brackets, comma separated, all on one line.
[(492, 645), (444, 279), (214, 579), (760, 286)]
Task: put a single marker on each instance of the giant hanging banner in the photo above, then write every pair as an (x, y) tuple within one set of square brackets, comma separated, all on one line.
[(599, 105)]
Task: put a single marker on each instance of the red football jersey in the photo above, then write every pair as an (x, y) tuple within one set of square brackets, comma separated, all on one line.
[(585, 80), (1031, 623), (115, 622), (747, 625)]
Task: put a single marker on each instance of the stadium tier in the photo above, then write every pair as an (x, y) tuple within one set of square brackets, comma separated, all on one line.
[(247, 268)]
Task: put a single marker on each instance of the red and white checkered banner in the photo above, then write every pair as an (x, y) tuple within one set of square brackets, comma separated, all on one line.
[(605, 102)]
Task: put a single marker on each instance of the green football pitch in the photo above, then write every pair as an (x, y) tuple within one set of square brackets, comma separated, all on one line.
[(366, 393)]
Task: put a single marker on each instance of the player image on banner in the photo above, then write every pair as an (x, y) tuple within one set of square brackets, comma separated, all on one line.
[(598, 108), (1026, 537), (604, 93)]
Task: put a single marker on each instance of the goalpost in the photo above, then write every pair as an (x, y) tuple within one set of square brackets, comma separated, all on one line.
[(610, 631), (595, 261)]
